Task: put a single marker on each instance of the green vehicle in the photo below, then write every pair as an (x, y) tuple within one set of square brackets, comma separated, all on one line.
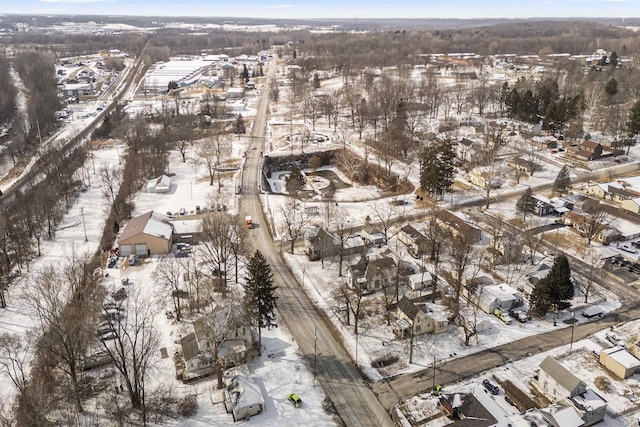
[(294, 399)]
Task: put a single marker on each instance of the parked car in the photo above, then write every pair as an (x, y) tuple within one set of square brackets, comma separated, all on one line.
[(502, 316), (198, 210), (294, 399), (491, 387), (183, 211), (627, 248), (519, 315), (132, 259)]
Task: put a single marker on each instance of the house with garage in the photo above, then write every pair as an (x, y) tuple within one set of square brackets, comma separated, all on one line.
[(458, 226), (421, 318), (587, 150), (556, 382), (161, 184), (145, 235)]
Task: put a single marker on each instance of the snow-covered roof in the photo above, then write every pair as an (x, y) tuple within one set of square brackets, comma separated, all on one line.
[(623, 357), (501, 292), (589, 400), (251, 393), (187, 226), (147, 223), (565, 416)]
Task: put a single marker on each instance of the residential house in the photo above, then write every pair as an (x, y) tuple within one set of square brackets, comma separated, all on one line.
[(417, 243), (619, 361), (523, 166), (319, 243), (421, 318), (380, 273), (587, 150), (554, 206), (145, 235), (590, 405), (458, 226), (467, 150), (490, 297), (556, 382), (198, 348), (483, 178), (243, 398), (464, 409), (234, 93), (583, 224), (372, 275), (372, 235), (161, 184)]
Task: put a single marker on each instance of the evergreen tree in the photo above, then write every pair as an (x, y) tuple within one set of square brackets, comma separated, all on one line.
[(563, 181), (611, 87), (613, 59), (260, 299), (526, 203), (437, 170), (245, 73), (172, 85), (295, 182), (554, 291), (239, 127), (316, 81), (633, 125)]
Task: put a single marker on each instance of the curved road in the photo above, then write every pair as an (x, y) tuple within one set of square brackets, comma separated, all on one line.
[(351, 396)]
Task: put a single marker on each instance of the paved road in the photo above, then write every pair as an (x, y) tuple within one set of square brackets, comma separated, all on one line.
[(404, 386), (353, 399)]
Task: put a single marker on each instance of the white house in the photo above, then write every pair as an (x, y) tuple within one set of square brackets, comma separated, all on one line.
[(243, 398), (556, 382)]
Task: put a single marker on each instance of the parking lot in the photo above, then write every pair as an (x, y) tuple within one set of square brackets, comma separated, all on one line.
[(628, 270)]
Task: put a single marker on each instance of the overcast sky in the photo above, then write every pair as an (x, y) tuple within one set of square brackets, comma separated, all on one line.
[(332, 8)]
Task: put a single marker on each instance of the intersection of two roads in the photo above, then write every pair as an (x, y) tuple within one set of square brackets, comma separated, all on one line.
[(357, 402)]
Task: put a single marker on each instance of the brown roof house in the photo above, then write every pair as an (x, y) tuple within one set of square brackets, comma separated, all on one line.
[(319, 243), (458, 226), (422, 319), (372, 275), (145, 235), (587, 150)]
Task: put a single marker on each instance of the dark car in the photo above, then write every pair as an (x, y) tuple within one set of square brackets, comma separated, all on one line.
[(491, 387)]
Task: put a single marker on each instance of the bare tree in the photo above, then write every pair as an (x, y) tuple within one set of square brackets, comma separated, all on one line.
[(168, 274), (111, 179), (595, 219), (462, 255), (14, 350), (384, 214), (342, 226), (294, 221), (218, 230), (353, 298), (134, 349), (239, 244), (220, 325), (593, 268), (213, 150), (64, 323)]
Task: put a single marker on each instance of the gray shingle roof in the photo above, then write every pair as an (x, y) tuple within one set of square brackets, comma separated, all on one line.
[(559, 373)]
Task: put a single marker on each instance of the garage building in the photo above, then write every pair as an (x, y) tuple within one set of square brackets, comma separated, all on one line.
[(145, 235)]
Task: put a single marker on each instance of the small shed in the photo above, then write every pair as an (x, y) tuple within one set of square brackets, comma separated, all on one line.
[(161, 184), (619, 361)]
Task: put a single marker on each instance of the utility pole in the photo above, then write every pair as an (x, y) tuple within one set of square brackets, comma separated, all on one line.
[(84, 226), (573, 325), (315, 353), (434, 371)]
